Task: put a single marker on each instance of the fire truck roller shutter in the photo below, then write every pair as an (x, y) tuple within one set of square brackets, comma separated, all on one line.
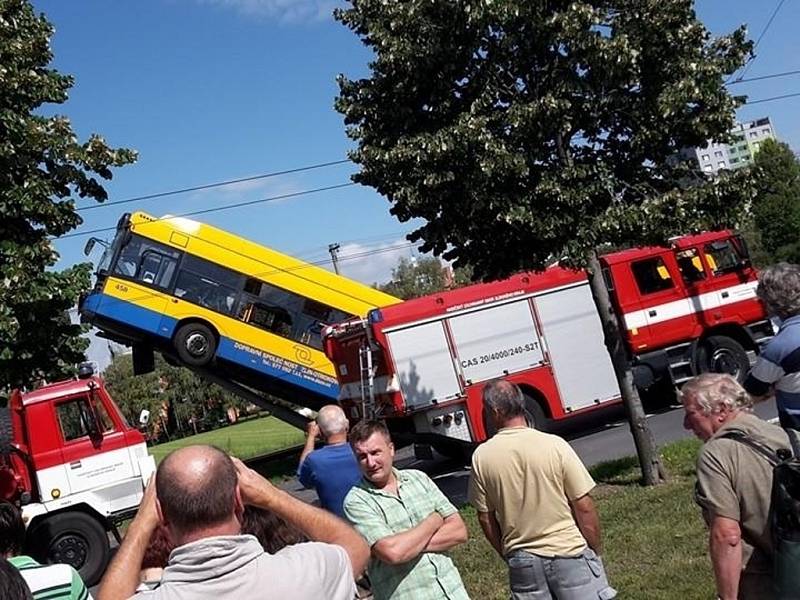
[(74, 538), (721, 354)]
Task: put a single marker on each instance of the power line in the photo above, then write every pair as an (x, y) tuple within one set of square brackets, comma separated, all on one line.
[(762, 77), (773, 98), (208, 186), (758, 41), (220, 208)]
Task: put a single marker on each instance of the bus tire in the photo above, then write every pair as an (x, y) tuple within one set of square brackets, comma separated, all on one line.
[(74, 538), (195, 344), (721, 354)]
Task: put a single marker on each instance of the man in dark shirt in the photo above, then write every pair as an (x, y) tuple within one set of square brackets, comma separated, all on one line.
[(332, 470)]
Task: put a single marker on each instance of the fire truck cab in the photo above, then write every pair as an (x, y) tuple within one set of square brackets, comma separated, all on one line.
[(72, 463), (688, 308), (422, 364)]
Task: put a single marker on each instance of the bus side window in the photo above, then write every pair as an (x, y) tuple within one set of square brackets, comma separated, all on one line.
[(156, 269)]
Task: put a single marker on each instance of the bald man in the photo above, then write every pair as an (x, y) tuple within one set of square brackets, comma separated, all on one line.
[(199, 494), (332, 470)]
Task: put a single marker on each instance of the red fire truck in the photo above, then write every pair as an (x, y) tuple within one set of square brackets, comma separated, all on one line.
[(72, 463), (687, 308)]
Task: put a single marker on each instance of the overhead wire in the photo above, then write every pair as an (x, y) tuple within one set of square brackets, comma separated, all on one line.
[(763, 77), (754, 56), (208, 186), (220, 208), (773, 98)]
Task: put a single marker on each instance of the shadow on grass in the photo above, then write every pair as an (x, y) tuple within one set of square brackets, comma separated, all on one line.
[(277, 471), (623, 471)]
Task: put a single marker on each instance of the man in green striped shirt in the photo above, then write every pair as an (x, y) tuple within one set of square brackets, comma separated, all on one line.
[(407, 522), (47, 582)]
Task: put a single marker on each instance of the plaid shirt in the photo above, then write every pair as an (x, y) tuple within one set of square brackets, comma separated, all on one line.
[(377, 514)]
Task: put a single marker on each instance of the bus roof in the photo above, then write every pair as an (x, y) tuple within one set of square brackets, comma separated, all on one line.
[(255, 260)]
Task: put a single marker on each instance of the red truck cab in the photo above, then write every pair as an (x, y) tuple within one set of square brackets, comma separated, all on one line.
[(73, 464)]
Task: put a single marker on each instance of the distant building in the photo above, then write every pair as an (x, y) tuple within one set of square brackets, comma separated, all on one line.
[(745, 142)]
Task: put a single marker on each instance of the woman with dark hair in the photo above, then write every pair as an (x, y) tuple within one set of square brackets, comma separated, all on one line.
[(156, 557), (12, 585), (272, 532)]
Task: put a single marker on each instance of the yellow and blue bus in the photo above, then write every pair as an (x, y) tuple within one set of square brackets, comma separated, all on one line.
[(213, 300)]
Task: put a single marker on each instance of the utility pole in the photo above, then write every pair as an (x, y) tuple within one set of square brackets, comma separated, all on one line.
[(334, 250)]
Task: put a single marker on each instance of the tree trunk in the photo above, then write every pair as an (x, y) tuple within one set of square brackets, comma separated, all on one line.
[(649, 460)]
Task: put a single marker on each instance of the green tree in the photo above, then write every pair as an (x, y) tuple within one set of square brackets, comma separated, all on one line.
[(776, 205), (414, 278), (42, 169), (524, 130), (173, 395)]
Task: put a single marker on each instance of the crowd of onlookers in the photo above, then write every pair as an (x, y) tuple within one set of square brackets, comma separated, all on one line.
[(209, 526)]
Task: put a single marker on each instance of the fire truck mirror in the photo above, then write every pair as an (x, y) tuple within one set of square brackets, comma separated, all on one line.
[(144, 417)]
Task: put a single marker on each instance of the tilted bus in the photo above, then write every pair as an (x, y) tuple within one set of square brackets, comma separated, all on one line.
[(213, 300)]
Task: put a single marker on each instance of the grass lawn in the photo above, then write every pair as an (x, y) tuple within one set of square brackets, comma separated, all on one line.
[(654, 539), (243, 440)]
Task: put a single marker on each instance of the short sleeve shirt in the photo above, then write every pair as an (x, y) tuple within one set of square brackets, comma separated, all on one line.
[(778, 366), (528, 478), (735, 482), (331, 471), (51, 582), (377, 514)]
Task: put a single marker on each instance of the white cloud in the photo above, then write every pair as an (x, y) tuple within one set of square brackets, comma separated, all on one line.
[(372, 264), (287, 11)]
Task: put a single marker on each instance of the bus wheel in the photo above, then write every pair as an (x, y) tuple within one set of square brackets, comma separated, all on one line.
[(195, 344), (721, 354)]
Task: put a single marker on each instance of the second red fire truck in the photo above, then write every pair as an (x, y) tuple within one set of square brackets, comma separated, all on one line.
[(422, 364)]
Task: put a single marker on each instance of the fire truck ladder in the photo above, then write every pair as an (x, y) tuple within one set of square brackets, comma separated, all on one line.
[(367, 381)]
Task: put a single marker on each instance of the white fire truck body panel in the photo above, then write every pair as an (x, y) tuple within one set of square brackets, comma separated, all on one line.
[(423, 364), (578, 356)]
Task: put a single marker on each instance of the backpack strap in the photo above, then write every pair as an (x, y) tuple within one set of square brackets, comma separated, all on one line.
[(768, 453)]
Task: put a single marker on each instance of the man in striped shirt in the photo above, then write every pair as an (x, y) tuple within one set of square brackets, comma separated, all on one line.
[(50, 582), (777, 369)]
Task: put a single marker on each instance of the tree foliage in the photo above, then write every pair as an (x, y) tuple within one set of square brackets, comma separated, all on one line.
[(524, 130), (43, 167), (422, 276), (776, 205), (173, 395)]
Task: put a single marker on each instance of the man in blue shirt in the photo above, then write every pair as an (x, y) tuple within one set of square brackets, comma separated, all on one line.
[(777, 369), (332, 470)]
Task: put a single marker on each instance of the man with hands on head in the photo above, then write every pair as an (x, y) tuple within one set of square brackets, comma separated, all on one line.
[(407, 521), (332, 470), (199, 494)]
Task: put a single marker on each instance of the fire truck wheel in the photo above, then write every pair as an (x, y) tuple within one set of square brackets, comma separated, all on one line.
[(535, 415), (73, 538), (6, 433), (721, 354), (195, 344)]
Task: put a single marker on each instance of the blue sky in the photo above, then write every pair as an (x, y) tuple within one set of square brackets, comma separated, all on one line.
[(211, 90)]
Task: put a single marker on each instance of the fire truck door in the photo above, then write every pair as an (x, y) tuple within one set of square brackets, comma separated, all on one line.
[(423, 364), (666, 310), (91, 461), (728, 284)]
